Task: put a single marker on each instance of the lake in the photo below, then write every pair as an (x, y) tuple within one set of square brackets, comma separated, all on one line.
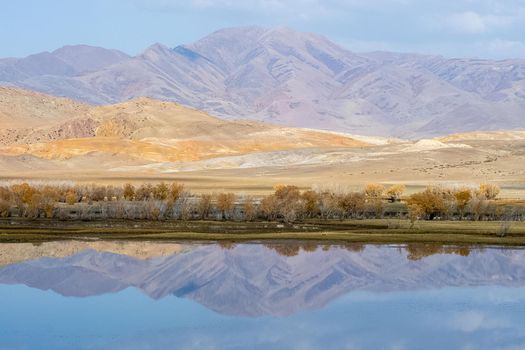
[(140, 295)]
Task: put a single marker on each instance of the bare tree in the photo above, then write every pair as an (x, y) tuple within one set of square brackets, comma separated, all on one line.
[(204, 206), (478, 206), (249, 209)]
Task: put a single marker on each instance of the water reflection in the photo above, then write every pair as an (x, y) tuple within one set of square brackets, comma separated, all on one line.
[(253, 279), (137, 295)]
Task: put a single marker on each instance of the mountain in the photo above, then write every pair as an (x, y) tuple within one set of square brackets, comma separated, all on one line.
[(139, 130), (66, 61), (255, 280), (291, 78)]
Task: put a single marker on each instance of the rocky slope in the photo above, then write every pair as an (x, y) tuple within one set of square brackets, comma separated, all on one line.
[(142, 129), (292, 78)]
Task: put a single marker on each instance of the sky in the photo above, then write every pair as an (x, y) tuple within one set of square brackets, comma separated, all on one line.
[(452, 28)]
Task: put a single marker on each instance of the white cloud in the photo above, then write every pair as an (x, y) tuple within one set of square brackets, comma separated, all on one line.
[(475, 23), (472, 321)]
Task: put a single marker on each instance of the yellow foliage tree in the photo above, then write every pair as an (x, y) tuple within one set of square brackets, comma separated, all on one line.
[(489, 191), (463, 197), (226, 203), (395, 192), (374, 190)]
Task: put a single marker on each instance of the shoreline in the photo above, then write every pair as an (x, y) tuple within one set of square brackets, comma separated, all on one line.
[(374, 231)]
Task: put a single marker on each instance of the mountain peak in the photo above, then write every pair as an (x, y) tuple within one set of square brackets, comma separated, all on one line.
[(157, 47), (293, 78), (155, 51), (86, 58)]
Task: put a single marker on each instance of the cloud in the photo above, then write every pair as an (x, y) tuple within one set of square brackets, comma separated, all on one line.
[(472, 321), (475, 23)]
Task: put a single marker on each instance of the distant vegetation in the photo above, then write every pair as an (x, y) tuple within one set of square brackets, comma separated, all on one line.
[(288, 204)]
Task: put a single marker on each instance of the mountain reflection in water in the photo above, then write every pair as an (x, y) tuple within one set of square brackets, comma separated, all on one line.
[(257, 280)]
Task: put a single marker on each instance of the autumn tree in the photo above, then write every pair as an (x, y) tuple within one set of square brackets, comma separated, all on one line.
[(50, 196), (311, 203), (71, 197), (415, 211), (161, 192), (373, 190), (269, 207), (96, 193), (249, 209), (22, 194), (175, 191), (33, 206), (129, 192), (462, 197), (489, 191), (352, 203), (5, 208), (430, 202), (226, 204), (144, 192), (395, 192), (5, 202)]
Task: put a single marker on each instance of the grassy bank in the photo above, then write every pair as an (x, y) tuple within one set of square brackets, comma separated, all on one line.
[(363, 231)]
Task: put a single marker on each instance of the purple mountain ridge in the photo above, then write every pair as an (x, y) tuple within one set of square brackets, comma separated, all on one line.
[(292, 78)]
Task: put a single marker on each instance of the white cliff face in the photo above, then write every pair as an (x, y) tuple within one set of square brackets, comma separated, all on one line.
[(292, 78), (254, 280)]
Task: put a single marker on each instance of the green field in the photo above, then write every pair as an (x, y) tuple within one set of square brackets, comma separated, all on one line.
[(364, 231)]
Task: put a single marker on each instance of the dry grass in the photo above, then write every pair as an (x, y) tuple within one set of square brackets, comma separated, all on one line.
[(364, 231)]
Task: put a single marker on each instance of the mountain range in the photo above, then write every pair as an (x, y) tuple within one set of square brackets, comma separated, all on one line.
[(291, 78), (254, 280)]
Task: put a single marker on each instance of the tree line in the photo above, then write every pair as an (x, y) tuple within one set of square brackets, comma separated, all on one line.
[(288, 203)]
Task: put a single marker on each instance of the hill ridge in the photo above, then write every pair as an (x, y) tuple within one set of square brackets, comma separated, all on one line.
[(297, 79)]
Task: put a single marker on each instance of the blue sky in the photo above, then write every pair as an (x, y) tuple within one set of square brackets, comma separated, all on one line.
[(453, 28)]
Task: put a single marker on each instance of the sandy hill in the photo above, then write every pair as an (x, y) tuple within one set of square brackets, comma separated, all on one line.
[(143, 139), (22, 112), (143, 128), (501, 135)]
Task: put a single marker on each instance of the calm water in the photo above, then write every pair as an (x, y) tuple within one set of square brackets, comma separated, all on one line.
[(250, 296)]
